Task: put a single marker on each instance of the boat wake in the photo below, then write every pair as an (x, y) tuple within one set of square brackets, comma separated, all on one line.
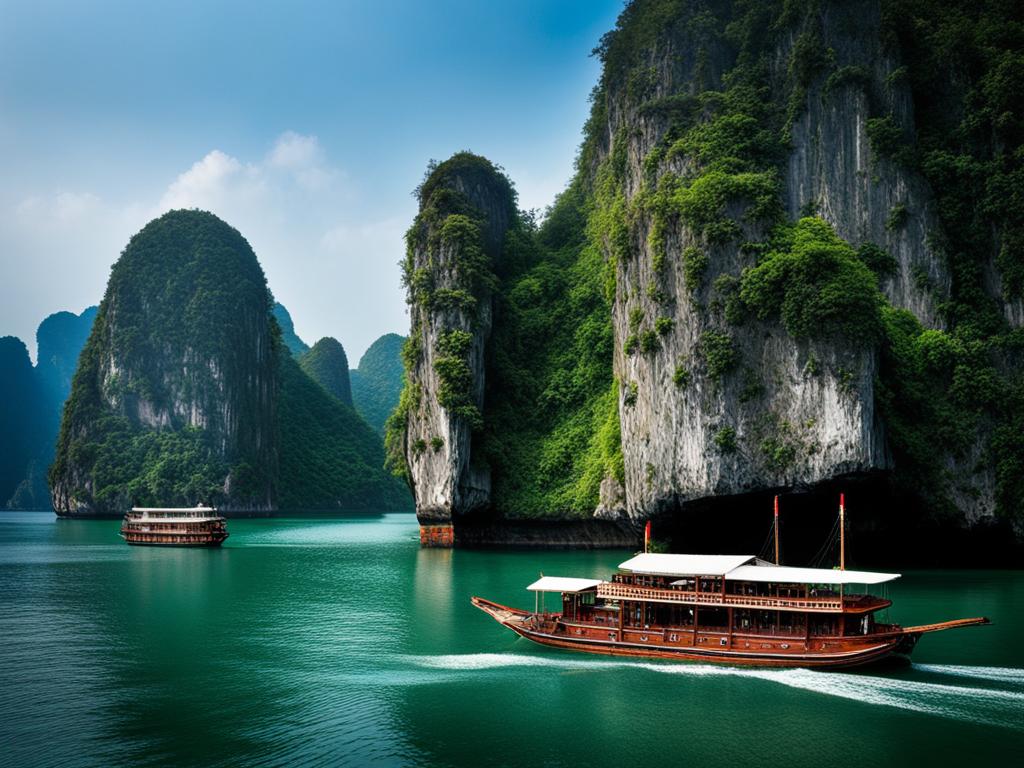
[(989, 706), (996, 674)]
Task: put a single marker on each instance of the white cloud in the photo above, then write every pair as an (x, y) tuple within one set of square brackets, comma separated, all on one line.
[(295, 151), (337, 272), (206, 183)]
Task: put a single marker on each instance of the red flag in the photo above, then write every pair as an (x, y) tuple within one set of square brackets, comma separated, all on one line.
[(647, 535)]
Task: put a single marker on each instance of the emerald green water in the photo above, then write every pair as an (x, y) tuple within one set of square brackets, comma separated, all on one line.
[(341, 642)]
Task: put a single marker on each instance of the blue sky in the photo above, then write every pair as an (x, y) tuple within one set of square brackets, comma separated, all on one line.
[(306, 125)]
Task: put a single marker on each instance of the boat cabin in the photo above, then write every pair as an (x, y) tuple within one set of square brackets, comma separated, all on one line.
[(729, 595)]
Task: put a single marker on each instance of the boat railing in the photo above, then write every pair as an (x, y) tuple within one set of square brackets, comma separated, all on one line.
[(618, 591)]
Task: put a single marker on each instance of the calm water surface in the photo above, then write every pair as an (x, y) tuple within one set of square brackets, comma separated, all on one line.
[(341, 642)]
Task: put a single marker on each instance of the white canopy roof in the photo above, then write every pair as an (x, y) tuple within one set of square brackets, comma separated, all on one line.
[(562, 584), (685, 565), (785, 574)]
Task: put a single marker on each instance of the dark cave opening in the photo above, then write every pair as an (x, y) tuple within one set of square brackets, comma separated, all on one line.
[(884, 529)]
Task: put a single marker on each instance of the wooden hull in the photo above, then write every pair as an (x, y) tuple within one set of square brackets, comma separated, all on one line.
[(187, 545), (712, 647), (206, 540)]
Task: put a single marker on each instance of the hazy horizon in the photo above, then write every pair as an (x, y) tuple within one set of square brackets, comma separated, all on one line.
[(305, 128)]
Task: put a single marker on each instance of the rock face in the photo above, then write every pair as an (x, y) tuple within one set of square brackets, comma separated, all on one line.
[(180, 359), (836, 170), (465, 207), (785, 412), (327, 364), (377, 382)]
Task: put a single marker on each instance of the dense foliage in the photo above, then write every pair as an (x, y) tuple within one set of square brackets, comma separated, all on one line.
[(817, 283), (327, 364), (552, 425), (965, 66), (329, 457), (377, 382)]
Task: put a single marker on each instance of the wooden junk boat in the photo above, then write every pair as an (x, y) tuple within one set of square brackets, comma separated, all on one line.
[(735, 609), (190, 527)]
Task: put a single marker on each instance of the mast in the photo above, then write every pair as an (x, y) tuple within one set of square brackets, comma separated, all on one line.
[(842, 532), (777, 530)]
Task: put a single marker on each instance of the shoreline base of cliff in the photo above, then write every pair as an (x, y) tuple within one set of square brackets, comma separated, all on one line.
[(492, 532)]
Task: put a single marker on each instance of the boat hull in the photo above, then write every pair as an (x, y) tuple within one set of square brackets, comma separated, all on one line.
[(695, 646), (185, 545)]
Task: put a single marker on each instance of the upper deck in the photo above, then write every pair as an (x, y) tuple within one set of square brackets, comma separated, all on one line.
[(777, 597), (173, 515), (740, 581)]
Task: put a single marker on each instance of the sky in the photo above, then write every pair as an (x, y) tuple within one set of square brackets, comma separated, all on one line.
[(305, 125)]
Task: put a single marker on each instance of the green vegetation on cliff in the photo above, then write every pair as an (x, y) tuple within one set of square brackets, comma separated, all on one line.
[(329, 457), (551, 421)]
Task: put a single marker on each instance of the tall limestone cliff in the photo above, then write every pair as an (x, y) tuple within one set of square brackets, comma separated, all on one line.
[(790, 257), (181, 362), (466, 206), (186, 392), (753, 352)]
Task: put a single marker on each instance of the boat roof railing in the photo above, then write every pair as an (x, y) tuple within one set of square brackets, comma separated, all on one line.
[(746, 568)]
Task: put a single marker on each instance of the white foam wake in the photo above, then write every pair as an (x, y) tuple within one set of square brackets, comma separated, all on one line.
[(997, 674), (983, 705)]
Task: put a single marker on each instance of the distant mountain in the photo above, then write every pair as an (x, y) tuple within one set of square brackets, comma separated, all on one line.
[(377, 382), (327, 364), (59, 341), (291, 340), (185, 392), (34, 419), (23, 416)]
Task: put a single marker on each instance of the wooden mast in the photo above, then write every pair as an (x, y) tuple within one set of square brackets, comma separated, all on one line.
[(777, 530), (842, 532)]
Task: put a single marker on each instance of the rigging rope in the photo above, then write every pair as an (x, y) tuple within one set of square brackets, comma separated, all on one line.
[(826, 548), (765, 553)]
